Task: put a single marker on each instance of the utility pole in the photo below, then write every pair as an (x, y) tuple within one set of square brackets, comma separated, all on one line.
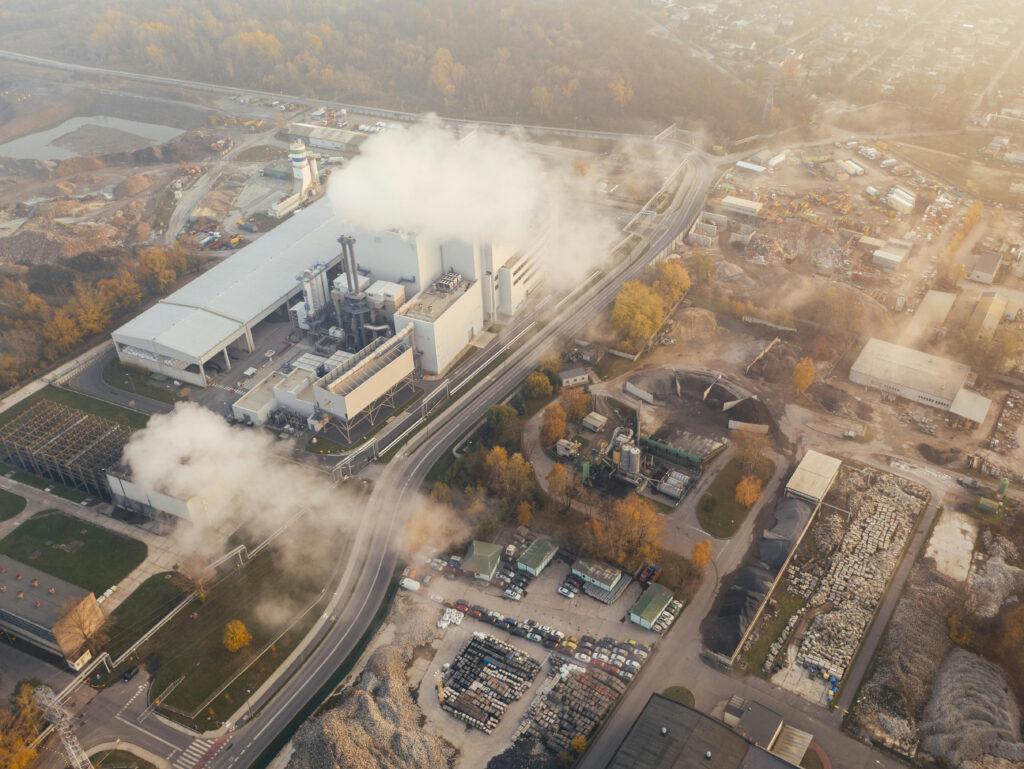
[(56, 715)]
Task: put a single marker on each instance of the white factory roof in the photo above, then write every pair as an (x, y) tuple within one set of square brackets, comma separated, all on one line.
[(198, 317), (813, 476), (888, 362), (970, 405)]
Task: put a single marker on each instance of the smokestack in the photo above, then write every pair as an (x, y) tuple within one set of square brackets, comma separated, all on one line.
[(351, 274)]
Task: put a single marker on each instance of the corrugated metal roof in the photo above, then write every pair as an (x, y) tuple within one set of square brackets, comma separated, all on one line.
[(538, 554), (899, 365), (970, 405), (652, 603), (814, 475)]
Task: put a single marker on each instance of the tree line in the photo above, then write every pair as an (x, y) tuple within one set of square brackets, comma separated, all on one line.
[(37, 327), (591, 64)]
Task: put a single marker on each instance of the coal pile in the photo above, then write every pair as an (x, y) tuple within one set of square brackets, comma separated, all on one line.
[(575, 706), (485, 678)]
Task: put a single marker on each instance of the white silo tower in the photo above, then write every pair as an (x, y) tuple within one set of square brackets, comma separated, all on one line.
[(300, 167)]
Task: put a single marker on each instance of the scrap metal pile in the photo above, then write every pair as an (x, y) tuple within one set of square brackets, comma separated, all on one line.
[(851, 579), (485, 678), (575, 706)]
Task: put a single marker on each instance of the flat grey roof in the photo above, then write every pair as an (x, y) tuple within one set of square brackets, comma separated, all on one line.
[(904, 366), (988, 262), (689, 735), (814, 475), (48, 611)]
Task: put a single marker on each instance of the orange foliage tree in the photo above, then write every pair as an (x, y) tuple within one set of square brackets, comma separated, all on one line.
[(575, 401), (803, 374), (553, 426), (748, 490), (700, 554), (236, 636)]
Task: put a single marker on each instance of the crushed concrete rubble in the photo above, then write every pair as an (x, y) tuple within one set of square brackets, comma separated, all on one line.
[(377, 724), (972, 720), (852, 576)]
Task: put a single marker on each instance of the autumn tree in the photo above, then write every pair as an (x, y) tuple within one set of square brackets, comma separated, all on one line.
[(704, 267), (121, 293), (501, 420), (751, 451), (622, 91), (551, 364), (524, 513), (637, 313), (803, 374), (563, 484), (748, 490), (700, 554), (670, 280), (634, 531), (575, 401), (578, 744), (537, 386), (580, 168), (61, 331), (236, 636), (507, 476), (552, 427), (80, 627), (194, 574), (19, 725), (89, 309)]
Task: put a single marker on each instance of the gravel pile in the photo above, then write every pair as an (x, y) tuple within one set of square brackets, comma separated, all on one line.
[(972, 721), (695, 324), (133, 185), (992, 585), (894, 697), (377, 724)]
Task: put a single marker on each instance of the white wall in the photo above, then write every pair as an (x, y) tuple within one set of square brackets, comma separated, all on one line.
[(348, 406), (129, 494), (441, 340), (917, 396)]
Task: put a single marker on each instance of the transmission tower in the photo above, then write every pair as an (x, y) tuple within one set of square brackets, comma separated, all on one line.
[(56, 715)]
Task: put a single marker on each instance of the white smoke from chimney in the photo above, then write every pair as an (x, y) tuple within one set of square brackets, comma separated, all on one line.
[(422, 180), (237, 478)]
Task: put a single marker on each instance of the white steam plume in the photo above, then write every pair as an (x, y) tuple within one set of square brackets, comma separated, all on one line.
[(422, 180), (240, 477)]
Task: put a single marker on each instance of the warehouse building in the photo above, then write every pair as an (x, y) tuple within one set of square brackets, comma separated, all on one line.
[(325, 138), (813, 477), (649, 607), (985, 268), (573, 377), (919, 377), (47, 612), (987, 315), (537, 556), (670, 735), (741, 206)]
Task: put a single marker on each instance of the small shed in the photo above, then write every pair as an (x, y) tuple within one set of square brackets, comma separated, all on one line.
[(573, 377), (604, 576), (482, 559), (650, 605), (537, 556), (595, 422)]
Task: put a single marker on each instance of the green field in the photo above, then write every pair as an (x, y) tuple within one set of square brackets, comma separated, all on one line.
[(787, 605), (96, 558), (38, 482), (10, 505), (118, 759), (77, 400), (718, 512), (141, 610), (680, 694), (263, 596)]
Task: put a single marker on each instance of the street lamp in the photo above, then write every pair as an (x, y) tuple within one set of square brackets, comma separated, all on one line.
[(248, 703), (129, 380)]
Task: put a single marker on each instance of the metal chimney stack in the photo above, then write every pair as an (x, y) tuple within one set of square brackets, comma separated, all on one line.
[(351, 272)]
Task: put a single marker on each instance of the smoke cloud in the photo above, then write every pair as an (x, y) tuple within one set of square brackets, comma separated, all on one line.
[(240, 478), (423, 180)]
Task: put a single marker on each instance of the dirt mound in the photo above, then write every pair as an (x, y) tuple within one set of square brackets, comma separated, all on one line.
[(972, 720), (938, 456), (377, 724), (133, 185), (893, 698), (695, 325), (776, 365), (30, 169), (72, 166), (44, 241)]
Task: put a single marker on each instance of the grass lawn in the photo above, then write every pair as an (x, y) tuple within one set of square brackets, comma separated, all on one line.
[(141, 610), (137, 382), (77, 400), (265, 599), (787, 605), (977, 178), (98, 558), (261, 153), (118, 759), (718, 512), (680, 694), (611, 366), (811, 760), (39, 482), (10, 505)]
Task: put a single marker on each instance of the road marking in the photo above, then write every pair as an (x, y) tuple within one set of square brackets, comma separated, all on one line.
[(136, 726)]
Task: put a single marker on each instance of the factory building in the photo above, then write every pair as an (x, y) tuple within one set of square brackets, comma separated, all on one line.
[(919, 377), (306, 177), (324, 138), (741, 206), (128, 495), (47, 612), (986, 267), (813, 477), (444, 319)]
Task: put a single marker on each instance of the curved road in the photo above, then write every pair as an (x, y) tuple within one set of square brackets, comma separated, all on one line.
[(112, 714)]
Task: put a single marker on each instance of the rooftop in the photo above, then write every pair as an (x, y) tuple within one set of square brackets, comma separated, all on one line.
[(308, 131), (932, 311), (988, 262), (540, 550), (888, 362), (431, 303), (814, 475), (970, 405), (759, 724), (689, 735), (48, 612), (652, 603), (601, 573), (482, 558), (200, 316)]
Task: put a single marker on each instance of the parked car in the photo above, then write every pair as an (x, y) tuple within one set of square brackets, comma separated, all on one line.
[(129, 674), (533, 637)]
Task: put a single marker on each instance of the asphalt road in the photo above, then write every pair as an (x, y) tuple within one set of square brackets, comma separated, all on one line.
[(362, 583)]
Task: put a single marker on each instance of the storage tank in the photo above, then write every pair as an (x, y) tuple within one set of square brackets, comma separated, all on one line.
[(630, 462)]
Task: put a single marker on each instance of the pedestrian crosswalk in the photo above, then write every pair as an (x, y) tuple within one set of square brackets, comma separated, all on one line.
[(191, 755), (132, 699)]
